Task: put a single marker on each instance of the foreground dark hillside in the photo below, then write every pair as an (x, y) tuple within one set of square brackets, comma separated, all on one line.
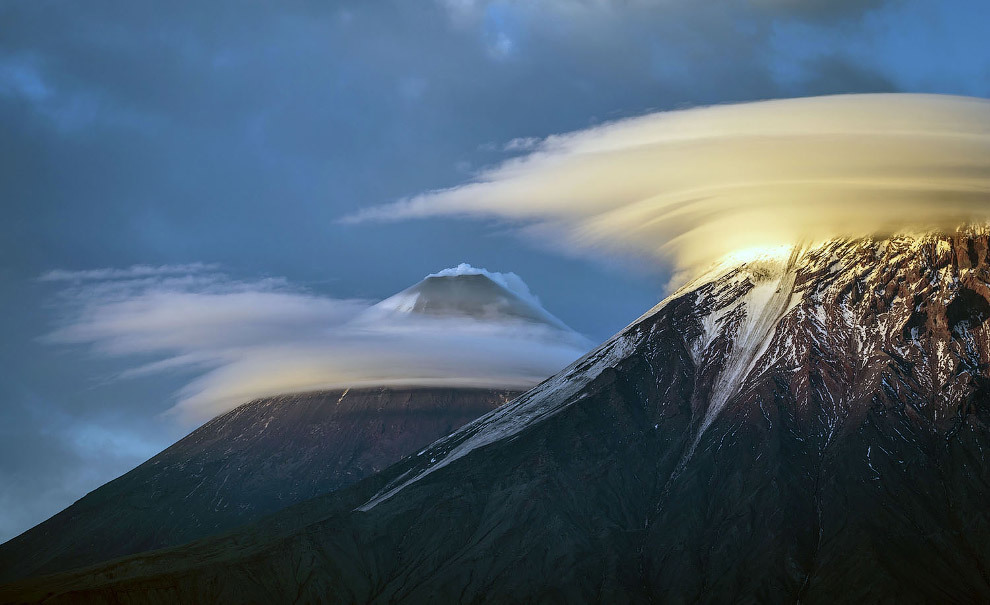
[(254, 460), (808, 429)]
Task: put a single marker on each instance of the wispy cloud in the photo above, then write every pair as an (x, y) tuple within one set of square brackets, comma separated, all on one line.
[(522, 144), (134, 271), (691, 186), (461, 11), (239, 340)]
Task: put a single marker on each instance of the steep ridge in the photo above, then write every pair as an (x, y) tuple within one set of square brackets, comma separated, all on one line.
[(258, 458), (810, 427)]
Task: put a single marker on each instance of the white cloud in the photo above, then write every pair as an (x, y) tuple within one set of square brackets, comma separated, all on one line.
[(691, 186), (521, 144), (242, 340), (131, 272), (510, 281), (467, 11)]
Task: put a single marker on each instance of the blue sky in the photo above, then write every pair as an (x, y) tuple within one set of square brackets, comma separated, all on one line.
[(239, 134)]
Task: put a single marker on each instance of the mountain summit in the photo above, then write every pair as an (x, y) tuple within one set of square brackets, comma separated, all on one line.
[(467, 292), (807, 427)]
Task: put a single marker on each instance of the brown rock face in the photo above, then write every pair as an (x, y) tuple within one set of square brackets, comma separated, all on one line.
[(808, 429), (254, 460)]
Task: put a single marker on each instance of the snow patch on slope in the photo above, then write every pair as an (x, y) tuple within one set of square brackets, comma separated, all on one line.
[(762, 307)]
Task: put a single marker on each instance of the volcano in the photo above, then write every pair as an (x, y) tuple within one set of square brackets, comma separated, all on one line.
[(277, 451), (808, 427)]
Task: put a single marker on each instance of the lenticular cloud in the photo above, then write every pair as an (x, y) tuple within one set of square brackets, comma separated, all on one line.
[(236, 340), (691, 186)]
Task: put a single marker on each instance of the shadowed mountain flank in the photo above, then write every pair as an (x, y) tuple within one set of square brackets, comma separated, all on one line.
[(256, 459)]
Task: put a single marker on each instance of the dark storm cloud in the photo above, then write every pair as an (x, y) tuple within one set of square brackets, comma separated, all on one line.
[(837, 74), (819, 10), (181, 130)]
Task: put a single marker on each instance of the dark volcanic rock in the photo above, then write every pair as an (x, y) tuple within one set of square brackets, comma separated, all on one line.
[(254, 460), (811, 429)]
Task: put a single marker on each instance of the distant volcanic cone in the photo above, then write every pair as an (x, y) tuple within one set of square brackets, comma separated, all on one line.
[(274, 452), (465, 291)]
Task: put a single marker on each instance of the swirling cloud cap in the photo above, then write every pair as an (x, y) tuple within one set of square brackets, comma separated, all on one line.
[(691, 186)]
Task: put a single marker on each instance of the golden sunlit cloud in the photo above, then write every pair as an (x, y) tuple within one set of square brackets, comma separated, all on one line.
[(692, 186)]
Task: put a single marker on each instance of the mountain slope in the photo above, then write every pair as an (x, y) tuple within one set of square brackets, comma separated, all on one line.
[(805, 428), (256, 459)]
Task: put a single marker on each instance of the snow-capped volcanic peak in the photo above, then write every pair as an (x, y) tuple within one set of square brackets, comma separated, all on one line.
[(466, 291), (903, 318)]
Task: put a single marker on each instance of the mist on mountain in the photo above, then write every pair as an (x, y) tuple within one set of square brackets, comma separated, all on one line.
[(239, 340)]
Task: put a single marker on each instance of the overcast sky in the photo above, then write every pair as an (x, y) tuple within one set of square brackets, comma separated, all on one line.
[(235, 136)]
